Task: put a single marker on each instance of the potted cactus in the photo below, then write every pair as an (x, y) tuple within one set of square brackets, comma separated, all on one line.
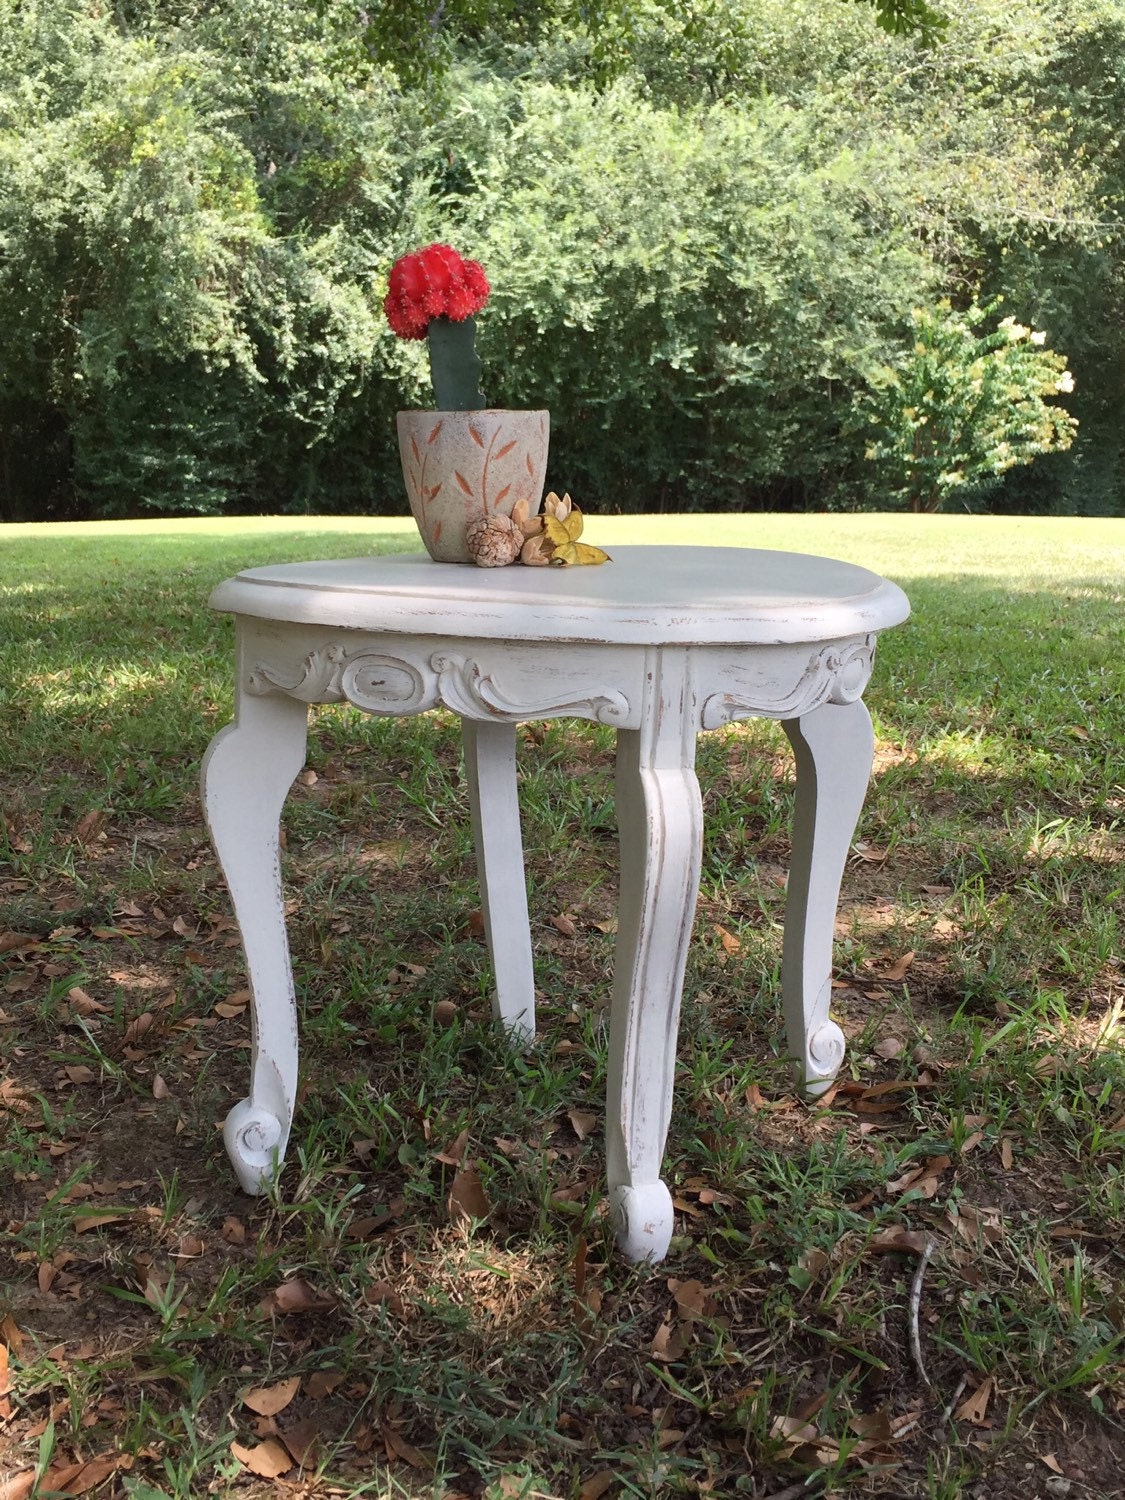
[(466, 466)]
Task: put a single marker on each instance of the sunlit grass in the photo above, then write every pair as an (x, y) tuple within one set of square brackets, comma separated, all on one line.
[(987, 875)]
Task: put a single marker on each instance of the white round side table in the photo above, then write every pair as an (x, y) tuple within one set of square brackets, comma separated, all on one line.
[(660, 643)]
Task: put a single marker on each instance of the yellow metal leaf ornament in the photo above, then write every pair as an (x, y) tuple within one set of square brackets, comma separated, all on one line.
[(563, 536)]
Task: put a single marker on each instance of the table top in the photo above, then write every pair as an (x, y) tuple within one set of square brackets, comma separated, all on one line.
[(644, 596)]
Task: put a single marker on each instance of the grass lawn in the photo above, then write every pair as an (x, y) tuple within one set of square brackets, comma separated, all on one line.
[(163, 1335)]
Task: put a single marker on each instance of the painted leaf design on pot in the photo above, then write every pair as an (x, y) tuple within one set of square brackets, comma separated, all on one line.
[(417, 452), (433, 435), (432, 491), (476, 437), (500, 495), (505, 450), (530, 465), (463, 482)]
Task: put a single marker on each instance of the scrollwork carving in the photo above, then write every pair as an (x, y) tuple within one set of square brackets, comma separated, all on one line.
[(468, 689), (826, 1048), (834, 674), (371, 680), (379, 683), (318, 681)]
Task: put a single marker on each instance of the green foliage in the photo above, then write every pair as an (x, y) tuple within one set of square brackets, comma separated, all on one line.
[(963, 406), (155, 297), (903, 17), (728, 309), (706, 227)]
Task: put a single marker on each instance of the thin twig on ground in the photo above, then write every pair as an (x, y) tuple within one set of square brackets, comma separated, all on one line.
[(953, 1400), (915, 1309)]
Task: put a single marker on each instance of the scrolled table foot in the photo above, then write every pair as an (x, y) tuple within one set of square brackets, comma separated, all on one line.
[(253, 1138), (826, 1049), (642, 1220)]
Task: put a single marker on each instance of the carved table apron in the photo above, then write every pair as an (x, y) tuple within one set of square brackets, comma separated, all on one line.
[(661, 643)]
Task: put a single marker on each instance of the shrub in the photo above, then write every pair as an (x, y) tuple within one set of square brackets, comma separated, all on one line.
[(961, 407)]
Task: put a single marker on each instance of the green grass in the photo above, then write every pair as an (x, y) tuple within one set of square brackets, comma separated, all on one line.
[(526, 1357)]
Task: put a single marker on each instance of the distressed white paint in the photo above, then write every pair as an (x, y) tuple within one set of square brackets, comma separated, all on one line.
[(247, 772), (490, 771), (661, 643)]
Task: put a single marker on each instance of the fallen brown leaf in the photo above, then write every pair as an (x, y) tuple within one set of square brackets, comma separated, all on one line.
[(693, 1300), (467, 1198), (297, 1296), (303, 1440), (10, 1335), (597, 1484), (898, 973), (670, 1342), (974, 1408), (873, 1427), (582, 1122), (580, 1251), (906, 1241), (453, 1154), (383, 1294), (869, 853), (95, 1221), (19, 1486), (267, 1459), (398, 1447), (268, 1400), (83, 1004), (322, 1383), (890, 1047), (89, 826), (795, 1430), (813, 1261), (137, 1028), (564, 923), (922, 1180), (731, 944), (11, 941)]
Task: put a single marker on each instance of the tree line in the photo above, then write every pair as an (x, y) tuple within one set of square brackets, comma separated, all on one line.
[(752, 254)]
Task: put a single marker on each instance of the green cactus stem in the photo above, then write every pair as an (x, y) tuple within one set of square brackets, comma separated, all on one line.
[(454, 366)]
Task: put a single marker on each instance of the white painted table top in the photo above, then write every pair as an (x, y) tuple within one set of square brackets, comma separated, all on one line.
[(644, 596)]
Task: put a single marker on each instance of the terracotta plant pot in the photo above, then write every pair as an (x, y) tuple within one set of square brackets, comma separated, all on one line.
[(462, 465)]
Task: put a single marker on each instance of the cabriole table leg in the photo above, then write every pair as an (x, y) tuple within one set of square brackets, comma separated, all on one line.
[(490, 771), (660, 824), (833, 747), (247, 772)]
